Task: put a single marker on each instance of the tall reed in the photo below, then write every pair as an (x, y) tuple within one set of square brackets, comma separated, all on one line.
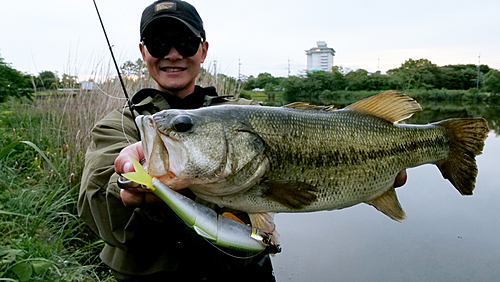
[(41, 160)]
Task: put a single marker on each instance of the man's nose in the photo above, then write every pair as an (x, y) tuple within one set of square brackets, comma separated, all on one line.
[(173, 54)]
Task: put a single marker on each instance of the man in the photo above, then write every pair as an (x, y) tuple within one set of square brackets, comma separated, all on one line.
[(145, 241)]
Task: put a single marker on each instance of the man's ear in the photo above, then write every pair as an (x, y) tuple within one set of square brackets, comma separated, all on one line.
[(204, 49), (143, 49)]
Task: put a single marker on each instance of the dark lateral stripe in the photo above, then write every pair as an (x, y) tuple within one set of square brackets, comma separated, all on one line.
[(352, 155)]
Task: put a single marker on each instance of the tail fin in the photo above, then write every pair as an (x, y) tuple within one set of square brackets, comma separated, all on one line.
[(466, 142)]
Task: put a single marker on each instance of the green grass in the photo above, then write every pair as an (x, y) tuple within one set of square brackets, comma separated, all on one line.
[(42, 239), (262, 97)]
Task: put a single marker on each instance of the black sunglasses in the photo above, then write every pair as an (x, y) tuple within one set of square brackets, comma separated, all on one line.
[(159, 46)]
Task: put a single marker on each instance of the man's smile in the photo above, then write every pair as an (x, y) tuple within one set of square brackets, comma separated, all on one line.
[(172, 69)]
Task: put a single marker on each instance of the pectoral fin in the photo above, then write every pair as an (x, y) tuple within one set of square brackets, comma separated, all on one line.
[(295, 195), (388, 204)]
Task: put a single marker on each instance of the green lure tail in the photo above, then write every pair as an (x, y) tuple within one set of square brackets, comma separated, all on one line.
[(139, 175)]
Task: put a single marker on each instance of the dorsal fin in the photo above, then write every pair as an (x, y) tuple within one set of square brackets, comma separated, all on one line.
[(307, 106), (389, 105)]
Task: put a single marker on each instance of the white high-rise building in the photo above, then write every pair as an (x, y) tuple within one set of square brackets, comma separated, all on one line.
[(320, 57)]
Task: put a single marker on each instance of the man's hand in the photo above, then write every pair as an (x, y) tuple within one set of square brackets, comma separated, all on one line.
[(133, 195), (400, 179)]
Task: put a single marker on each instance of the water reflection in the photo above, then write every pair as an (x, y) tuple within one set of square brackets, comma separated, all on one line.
[(447, 237), (438, 111)]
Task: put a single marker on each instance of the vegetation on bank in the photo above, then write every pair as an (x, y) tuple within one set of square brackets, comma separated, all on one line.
[(421, 77), (418, 77), (13, 83), (41, 159)]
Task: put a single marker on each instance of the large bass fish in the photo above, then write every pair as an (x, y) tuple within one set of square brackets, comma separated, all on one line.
[(263, 160)]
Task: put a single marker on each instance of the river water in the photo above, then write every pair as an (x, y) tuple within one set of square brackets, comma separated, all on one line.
[(446, 237)]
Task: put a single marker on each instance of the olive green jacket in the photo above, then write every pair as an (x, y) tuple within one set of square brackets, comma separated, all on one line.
[(138, 240)]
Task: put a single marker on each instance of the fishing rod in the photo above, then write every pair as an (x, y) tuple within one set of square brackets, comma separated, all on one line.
[(130, 105)]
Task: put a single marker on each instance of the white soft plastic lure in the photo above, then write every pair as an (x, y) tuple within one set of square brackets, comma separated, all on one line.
[(220, 230)]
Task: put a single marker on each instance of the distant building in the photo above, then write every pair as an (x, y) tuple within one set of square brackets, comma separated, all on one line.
[(320, 57), (86, 85), (258, 89)]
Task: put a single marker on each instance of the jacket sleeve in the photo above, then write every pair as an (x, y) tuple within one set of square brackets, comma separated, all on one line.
[(99, 203)]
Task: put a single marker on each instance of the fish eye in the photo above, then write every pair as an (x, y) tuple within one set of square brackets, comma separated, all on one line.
[(182, 123)]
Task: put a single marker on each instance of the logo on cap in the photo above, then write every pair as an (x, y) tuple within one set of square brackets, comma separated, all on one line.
[(166, 6)]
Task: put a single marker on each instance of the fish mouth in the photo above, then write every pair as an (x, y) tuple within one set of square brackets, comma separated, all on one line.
[(155, 151), (177, 163), (166, 161)]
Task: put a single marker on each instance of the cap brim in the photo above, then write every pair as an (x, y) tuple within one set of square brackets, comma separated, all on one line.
[(193, 30)]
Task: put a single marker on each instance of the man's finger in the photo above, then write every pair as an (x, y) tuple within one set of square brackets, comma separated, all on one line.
[(137, 198), (400, 178), (123, 163), (131, 199), (125, 183)]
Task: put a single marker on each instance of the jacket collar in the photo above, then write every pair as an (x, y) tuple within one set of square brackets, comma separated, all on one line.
[(152, 100)]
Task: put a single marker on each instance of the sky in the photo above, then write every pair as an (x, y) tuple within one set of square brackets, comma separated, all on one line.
[(252, 37)]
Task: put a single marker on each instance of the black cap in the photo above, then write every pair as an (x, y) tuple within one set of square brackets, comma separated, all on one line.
[(179, 10)]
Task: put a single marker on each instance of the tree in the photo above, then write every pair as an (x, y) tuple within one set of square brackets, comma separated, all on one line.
[(293, 89), (414, 74), (378, 81), (13, 83), (322, 80), (47, 80), (452, 78), (69, 81), (270, 90), (261, 81), (311, 87), (491, 81), (249, 83), (357, 80), (462, 76), (134, 70)]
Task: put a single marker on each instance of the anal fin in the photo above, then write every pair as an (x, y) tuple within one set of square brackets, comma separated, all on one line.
[(265, 221), (388, 204)]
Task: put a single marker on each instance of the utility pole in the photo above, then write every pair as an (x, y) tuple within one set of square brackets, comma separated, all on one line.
[(215, 72), (378, 63), (288, 67), (239, 66)]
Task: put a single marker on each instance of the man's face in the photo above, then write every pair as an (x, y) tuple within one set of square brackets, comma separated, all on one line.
[(173, 72)]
